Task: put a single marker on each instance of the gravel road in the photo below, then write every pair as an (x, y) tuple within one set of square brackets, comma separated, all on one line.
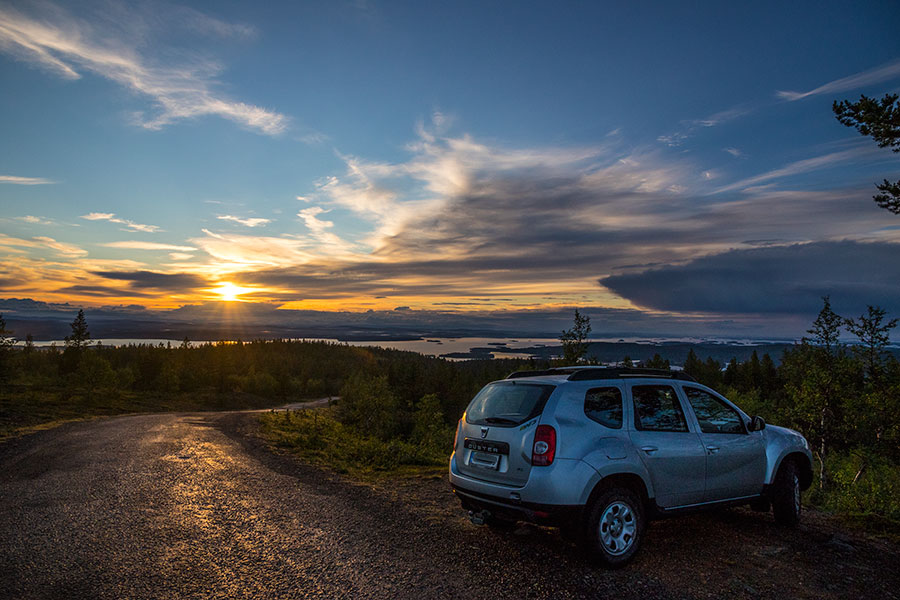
[(196, 506)]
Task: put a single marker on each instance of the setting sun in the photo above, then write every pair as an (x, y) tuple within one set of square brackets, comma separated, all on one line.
[(230, 292)]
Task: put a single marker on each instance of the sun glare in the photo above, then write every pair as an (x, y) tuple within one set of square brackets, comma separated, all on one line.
[(230, 292)]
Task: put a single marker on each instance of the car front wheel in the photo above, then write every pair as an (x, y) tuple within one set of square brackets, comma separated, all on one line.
[(615, 526)]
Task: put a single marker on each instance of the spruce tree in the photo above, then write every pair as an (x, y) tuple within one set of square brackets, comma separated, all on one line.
[(80, 337)]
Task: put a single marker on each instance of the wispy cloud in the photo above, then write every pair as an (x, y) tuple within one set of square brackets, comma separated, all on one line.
[(36, 220), (235, 252), (320, 230), (723, 116), (112, 47), (798, 167), (61, 248), (689, 127), (735, 152), (885, 72), (138, 245), (112, 218), (247, 222), (673, 140), (16, 180)]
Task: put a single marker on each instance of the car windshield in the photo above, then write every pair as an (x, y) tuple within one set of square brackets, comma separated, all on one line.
[(508, 403)]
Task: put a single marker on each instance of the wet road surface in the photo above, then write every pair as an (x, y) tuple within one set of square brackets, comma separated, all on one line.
[(195, 506)]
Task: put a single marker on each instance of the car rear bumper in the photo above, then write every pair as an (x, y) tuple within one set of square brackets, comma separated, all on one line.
[(544, 514), (560, 489)]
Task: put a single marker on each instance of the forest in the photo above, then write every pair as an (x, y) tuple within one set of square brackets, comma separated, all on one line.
[(396, 409)]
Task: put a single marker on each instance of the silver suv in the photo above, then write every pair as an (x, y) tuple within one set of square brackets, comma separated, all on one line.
[(600, 451)]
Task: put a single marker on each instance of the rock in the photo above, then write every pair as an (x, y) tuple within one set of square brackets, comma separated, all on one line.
[(839, 542), (772, 550)]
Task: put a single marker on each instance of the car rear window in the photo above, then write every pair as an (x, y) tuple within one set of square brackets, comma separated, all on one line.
[(506, 404), (604, 405)]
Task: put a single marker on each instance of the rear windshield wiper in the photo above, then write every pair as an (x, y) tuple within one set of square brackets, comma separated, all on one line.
[(500, 421)]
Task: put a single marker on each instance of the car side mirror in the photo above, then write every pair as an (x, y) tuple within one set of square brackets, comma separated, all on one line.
[(757, 423)]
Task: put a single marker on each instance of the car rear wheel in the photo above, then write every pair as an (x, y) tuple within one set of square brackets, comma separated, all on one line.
[(615, 526), (786, 502)]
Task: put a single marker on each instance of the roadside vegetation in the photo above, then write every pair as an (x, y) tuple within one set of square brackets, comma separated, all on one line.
[(845, 399), (397, 410)]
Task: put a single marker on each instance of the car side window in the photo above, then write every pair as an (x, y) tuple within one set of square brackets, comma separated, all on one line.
[(604, 405), (713, 415), (656, 408)]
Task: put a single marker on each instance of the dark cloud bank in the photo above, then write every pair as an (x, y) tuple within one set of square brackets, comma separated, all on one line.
[(773, 280)]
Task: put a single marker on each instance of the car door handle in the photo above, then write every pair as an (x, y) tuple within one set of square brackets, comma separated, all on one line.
[(649, 449), (712, 449)]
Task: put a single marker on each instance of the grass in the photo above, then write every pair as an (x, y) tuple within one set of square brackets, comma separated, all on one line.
[(316, 436), (26, 409)]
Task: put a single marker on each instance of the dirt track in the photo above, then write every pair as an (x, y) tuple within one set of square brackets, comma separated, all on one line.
[(175, 506)]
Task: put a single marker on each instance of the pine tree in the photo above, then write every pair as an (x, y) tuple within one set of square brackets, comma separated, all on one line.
[(574, 340), (826, 329), (693, 366), (657, 362), (874, 336), (879, 119)]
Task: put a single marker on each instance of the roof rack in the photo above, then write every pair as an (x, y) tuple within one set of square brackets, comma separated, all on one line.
[(594, 373)]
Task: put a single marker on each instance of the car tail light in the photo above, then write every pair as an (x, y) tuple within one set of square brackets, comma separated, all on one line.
[(456, 435), (544, 448)]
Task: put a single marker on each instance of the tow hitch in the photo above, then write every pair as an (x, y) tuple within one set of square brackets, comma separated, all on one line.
[(479, 518)]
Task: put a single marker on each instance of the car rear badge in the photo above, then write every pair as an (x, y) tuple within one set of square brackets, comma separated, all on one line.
[(484, 432)]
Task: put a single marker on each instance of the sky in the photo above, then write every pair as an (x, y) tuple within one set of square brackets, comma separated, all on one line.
[(665, 167)]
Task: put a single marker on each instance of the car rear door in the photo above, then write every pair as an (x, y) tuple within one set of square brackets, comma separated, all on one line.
[(736, 458), (496, 434), (668, 445)]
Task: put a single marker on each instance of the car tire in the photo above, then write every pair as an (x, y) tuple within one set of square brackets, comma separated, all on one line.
[(615, 526), (786, 503)]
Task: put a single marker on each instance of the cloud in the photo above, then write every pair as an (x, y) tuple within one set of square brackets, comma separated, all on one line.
[(689, 127), (112, 45), (465, 219), (885, 72), (61, 248), (138, 245), (12, 244), (319, 230), (234, 252), (101, 291), (36, 220), (800, 166), (15, 180), (247, 222), (785, 279), (723, 116), (179, 282), (674, 140), (111, 217), (735, 152), (530, 236)]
